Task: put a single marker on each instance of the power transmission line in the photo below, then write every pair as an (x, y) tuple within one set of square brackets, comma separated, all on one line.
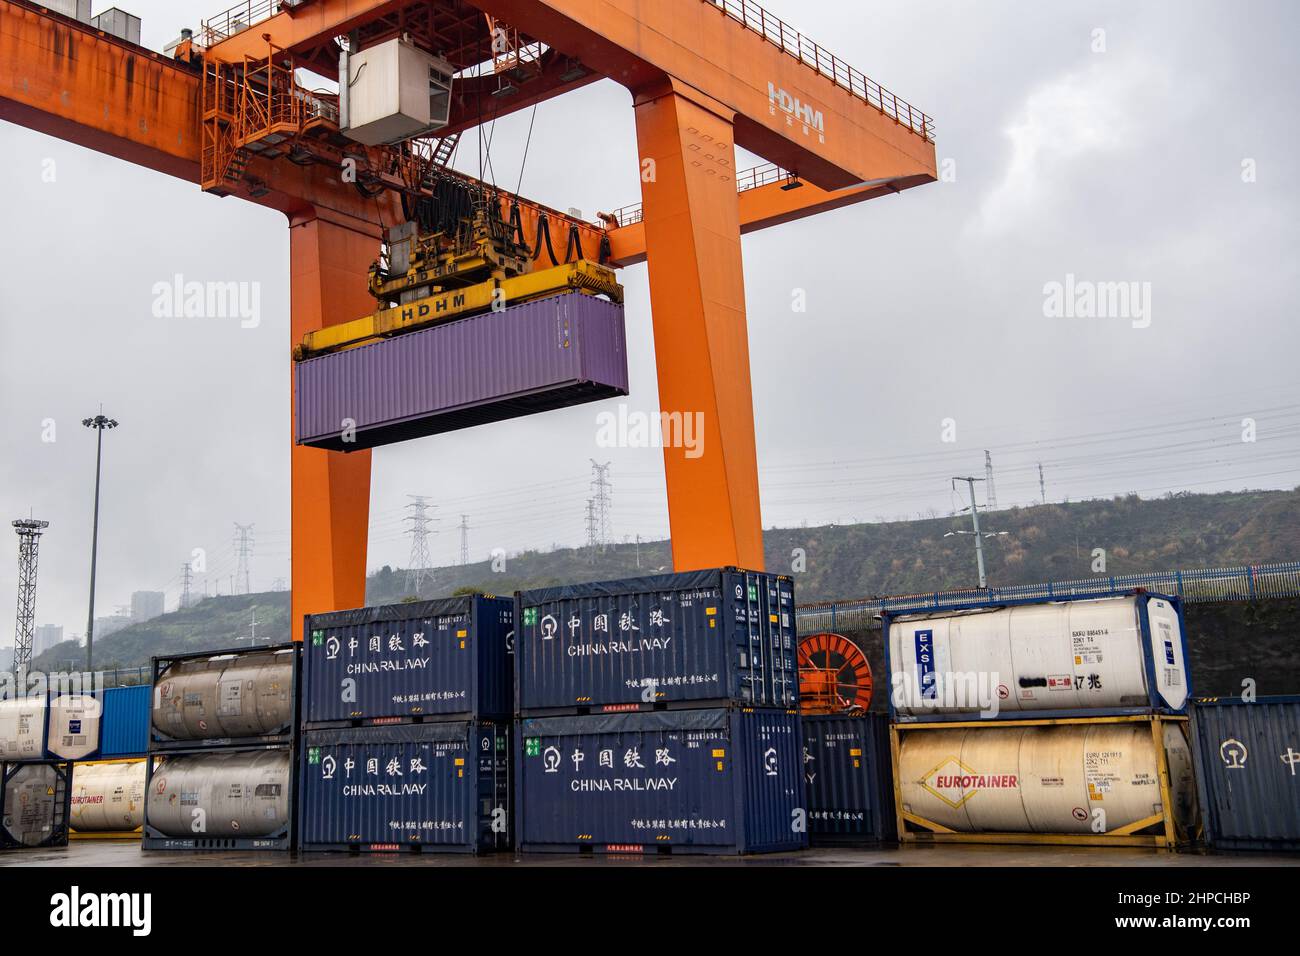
[(244, 545), (29, 532), (185, 585), (600, 483), (979, 535), (464, 540), (593, 538), (418, 567), (990, 492), (1042, 484)]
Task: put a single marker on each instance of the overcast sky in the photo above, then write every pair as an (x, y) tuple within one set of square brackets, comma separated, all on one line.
[(1166, 159)]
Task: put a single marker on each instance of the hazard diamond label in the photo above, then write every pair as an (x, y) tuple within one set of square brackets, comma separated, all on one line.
[(954, 783)]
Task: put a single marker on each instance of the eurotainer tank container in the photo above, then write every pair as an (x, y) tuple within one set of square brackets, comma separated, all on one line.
[(849, 779), (124, 725), (49, 726), (674, 640), (1248, 771), (1062, 658), (677, 781), (534, 357), (108, 797), (441, 659), (432, 787), (227, 698), (34, 804), (231, 799), (1119, 780)]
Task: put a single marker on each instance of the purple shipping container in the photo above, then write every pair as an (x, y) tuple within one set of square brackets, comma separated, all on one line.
[(530, 358)]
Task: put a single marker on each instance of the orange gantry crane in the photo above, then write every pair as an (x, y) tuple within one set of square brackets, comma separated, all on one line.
[(226, 111)]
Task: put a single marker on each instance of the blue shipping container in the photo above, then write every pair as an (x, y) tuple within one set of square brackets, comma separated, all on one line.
[(447, 659), (124, 727), (677, 781), (849, 777), (686, 639), (1248, 771), (433, 786)]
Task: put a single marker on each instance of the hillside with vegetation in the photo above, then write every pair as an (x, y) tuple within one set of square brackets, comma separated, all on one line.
[(1053, 542)]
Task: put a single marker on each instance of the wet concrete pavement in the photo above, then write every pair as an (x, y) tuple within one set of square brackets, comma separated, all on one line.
[(96, 853)]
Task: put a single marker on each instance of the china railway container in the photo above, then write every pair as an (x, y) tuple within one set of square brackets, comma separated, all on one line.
[(124, 726), (108, 797), (849, 779), (1067, 658), (49, 726), (1248, 771), (233, 799), (529, 358), (676, 781), (229, 698), (34, 807), (431, 787), (428, 660), (674, 640), (1108, 780)]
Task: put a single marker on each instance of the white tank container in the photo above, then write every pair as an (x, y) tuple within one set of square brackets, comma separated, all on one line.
[(73, 729), (22, 728), (229, 695), (221, 794), (108, 797), (1063, 778), (39, 727), (1072, 655), (33, 803)]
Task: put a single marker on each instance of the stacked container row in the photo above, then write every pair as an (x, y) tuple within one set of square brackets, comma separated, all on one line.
[(406, 727), (221, 771), (657, 715)]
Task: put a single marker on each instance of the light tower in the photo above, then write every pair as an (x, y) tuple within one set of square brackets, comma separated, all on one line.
[(100, 423), (29, 539)]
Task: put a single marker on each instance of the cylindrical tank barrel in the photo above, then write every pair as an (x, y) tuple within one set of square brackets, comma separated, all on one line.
[(1069, 778), (221, 794), (231, 695), (108, 797), (33, 803)]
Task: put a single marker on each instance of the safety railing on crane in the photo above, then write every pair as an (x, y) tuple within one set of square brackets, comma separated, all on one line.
[(791, 41), (242, 16), (1248, 583), (747, 179)]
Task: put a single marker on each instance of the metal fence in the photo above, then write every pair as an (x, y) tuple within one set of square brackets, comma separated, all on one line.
[(792, 42), (1249, 583)]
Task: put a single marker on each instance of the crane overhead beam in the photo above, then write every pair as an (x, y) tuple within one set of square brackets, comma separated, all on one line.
[(795, 104)]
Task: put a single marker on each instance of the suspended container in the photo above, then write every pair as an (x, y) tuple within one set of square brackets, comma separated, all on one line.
[(108, 799), (1248, 770), (1117, 781), (231, 799), (430, 787), (441, 660), (680, 781), (49, 726), (529, 358), (245, 697), (1074, 657), (849, 779), (34, 807), (124, 726), (693, 639)]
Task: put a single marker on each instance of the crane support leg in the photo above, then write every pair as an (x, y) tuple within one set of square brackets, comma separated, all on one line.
[(330, 259), (697, 295)]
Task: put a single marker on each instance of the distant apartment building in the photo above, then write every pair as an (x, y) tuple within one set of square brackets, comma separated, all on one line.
[(105, 626), (147, 604), (46, 636)]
